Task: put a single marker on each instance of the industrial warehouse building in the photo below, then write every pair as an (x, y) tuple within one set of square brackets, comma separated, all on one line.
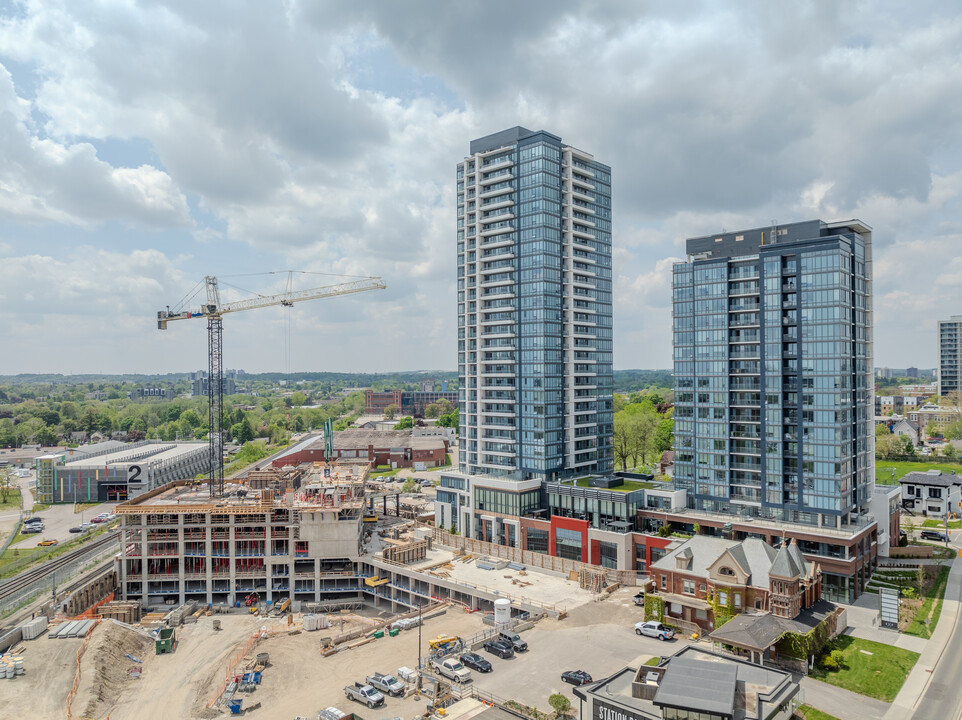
[(114, 471), (394, 448)]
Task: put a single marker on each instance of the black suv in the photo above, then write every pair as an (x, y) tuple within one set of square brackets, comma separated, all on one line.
[(499, 648), (933, 535)]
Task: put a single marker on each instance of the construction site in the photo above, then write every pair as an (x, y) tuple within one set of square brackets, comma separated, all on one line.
[(250, 602)]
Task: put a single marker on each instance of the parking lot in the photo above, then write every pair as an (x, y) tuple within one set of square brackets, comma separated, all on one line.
[(57, 519), (599, 646)]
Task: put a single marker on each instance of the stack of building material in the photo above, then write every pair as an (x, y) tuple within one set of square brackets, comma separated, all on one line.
[(11, 666), (126, 611), (176, 617), (35, 628)]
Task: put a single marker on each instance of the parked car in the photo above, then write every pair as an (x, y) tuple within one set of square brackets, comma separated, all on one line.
[(46, 543), (77, 529), (30, 529), (933, 535), (639, 598), (655, 629), (513, 640), (576, 677), (476, 662), (499, 648), (97, 520)]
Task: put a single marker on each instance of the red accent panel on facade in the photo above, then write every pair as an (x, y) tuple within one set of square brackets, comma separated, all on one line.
[(580, 526), (594, 552)]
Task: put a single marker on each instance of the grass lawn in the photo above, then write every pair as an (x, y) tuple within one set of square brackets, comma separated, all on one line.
[(940, 524), (652, 661), (878, 672), (629, 485), (383, 473), (931, 608), (811, 713), (13, 500), (81, 507), (883, 469)]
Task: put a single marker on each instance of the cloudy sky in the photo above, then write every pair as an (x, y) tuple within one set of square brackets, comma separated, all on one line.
[(144, 145)]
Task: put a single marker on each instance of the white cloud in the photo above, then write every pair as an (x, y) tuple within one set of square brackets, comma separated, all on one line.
[(324, 138)]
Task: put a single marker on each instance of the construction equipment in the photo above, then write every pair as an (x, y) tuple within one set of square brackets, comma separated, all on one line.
[(251, 599), (214, 310), (444, 644)]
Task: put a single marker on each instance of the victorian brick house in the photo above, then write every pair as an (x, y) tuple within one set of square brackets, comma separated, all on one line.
[(705, 576)]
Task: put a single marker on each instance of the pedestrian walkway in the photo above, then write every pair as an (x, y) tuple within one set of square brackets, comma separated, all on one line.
[(918, 680), (843, 704), (863, 622)]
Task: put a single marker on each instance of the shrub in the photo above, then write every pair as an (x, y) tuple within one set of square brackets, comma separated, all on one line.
[(829, 663)]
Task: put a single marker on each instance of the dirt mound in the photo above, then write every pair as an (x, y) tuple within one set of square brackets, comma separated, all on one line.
[(107, 669)]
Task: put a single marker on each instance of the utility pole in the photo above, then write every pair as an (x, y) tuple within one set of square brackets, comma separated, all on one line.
[(420, 604)]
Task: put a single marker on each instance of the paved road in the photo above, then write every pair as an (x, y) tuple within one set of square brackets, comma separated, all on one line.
[(601, 650)]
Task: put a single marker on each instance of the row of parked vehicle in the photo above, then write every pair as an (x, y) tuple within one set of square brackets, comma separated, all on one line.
[(505, 644)]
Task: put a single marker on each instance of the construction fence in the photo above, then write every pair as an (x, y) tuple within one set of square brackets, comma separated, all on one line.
[(532, 559)]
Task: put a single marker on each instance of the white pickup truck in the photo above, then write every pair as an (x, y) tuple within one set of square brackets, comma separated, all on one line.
[(452, 669), (364, 694), (386, 684)]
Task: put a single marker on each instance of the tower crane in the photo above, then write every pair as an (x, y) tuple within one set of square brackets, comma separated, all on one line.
[(214, 310)]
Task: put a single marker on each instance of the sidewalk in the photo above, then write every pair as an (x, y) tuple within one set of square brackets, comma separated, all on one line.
[(918, 680), (863, 623), (843, 704)]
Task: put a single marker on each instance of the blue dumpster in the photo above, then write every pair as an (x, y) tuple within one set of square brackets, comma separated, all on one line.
[(235, 706)]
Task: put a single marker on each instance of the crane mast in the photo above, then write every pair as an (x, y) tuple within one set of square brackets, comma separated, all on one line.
[(214, 311)]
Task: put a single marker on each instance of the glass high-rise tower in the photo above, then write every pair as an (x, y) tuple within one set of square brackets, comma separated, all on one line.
[(534, 308), (950, 355), (773, 372)]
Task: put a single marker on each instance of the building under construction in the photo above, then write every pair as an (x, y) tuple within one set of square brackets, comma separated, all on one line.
[(295, 541), (308, 534)]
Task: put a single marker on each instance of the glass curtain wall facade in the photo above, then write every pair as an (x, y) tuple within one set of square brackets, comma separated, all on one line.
[(534, 308), (773, 372), (950, 355)]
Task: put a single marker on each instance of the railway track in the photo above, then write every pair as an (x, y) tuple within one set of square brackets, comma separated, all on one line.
[(11, 586)]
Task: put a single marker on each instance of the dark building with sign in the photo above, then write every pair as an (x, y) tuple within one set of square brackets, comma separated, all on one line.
[(693, 684)]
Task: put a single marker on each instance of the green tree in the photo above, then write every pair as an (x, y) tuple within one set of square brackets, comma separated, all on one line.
[(46, 437), (298, 399), (390, 411), (560, 704), (405, 423), (432, 410), (664, 434), (191, 418), (618, 402), (449, 420), (242, 432)]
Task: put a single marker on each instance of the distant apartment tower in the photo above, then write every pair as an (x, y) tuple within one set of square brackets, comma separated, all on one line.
[(950, 355), (199, 383), (773, 372), (534, 308)]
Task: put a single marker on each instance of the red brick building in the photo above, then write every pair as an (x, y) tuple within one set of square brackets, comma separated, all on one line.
[(395, 448), (706, 575)]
